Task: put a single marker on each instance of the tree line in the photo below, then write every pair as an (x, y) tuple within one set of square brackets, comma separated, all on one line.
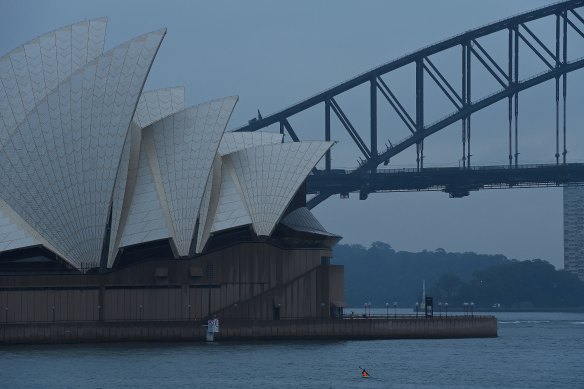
[(379, 274)]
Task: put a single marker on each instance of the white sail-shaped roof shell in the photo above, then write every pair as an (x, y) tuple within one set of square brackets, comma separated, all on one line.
[(13, 235), (16, 233), (60, 163), (235, 141), (152, 106), (223, 207), (124, 184), (231, 210), (157, 104), (209, 205), (145, 221), (29, 72), (185, 144), (270, 175), (87, 159)]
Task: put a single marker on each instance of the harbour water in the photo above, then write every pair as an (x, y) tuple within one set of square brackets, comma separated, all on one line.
[(533, 350)]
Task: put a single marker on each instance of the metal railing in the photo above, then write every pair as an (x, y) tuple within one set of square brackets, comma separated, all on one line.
[(460, 168)]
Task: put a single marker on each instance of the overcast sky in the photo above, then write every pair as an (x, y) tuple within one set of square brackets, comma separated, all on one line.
[(273, 54)]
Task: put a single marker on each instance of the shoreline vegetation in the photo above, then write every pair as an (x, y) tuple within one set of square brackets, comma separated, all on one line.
[(495, 283)]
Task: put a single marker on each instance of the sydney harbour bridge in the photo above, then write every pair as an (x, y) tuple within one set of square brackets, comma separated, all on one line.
[(552, 49)]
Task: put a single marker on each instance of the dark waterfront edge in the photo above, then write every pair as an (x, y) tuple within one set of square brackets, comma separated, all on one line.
[(523, 310), (235, 329)]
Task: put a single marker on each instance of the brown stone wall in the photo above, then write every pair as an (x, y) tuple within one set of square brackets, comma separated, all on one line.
[(48, 305), (337, 283), (254, 276)]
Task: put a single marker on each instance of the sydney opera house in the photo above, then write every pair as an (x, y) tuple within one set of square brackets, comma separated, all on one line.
[(124, 204)]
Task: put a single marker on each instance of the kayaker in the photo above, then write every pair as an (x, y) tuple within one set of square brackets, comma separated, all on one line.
[(364, 373)]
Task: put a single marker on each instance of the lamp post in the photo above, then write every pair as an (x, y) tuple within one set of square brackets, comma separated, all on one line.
[(465, 306), (387, 310), (472, 309), (189, 318), (367, 305), (446, 309), (395, 310), (321, 309), (417, 306), (440, 308)]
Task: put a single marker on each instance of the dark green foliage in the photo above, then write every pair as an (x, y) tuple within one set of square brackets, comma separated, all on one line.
[(379, 274), (524, 284), (447, 287)]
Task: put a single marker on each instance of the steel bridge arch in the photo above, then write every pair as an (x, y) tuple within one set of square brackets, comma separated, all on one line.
[(556, 59)]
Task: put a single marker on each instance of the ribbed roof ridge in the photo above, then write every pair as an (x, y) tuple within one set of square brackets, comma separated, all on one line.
[(60, 164), (186, 143), (270, 176)]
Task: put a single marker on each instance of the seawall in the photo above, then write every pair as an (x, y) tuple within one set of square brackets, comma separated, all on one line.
[(235, 329)]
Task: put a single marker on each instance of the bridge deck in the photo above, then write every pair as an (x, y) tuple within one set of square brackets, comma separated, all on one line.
[(458, 182)]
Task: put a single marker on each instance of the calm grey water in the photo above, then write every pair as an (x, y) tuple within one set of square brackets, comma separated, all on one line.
[(533, 350)]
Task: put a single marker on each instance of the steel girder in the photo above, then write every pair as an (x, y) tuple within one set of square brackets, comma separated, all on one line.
[(457, 182), (567, 15)]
